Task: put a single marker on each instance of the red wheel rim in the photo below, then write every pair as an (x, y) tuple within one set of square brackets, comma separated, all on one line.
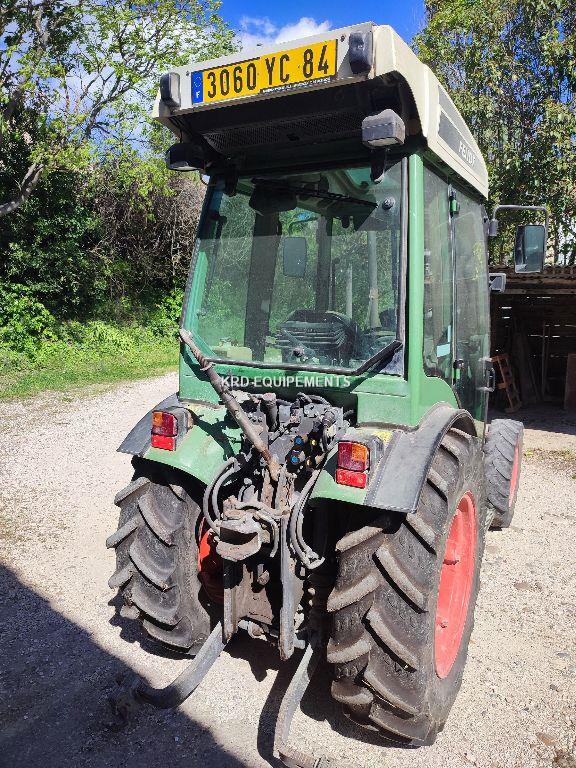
[(514, 478), (456, 578), (210, 570)]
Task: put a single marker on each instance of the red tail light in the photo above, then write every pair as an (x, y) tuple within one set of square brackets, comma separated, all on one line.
[(353, 464), (164, 424), (161, 441), (353, 479), (353, 456), (164, 430)]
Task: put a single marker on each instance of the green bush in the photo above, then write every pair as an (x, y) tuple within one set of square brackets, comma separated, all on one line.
[(28, 327), (165, 317), (24, 320), (94, 353)]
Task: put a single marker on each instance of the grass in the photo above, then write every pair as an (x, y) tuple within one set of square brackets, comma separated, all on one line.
[(69, 367)]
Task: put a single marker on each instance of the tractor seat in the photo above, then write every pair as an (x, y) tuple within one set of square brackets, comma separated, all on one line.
[(330, 336)]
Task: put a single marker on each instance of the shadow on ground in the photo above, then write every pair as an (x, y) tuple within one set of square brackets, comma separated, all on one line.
[(544, 417), (54, 686), (54, 690)]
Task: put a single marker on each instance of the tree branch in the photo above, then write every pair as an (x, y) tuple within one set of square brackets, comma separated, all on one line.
[(28, 185), (11, 105)]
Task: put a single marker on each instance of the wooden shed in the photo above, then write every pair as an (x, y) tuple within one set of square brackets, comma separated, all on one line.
[(534, 323)]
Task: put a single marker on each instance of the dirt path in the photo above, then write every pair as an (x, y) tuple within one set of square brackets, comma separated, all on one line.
[(62, 652)]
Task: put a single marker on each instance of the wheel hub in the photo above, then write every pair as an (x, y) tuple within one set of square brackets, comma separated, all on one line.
[(456, 578), (210, 569), (514, 477)]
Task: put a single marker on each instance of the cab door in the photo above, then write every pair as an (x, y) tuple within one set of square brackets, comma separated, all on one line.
[(471, 365)]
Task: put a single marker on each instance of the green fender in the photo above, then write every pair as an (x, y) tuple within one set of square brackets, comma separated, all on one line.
[(211, 439), (396, 480), (406, 453)]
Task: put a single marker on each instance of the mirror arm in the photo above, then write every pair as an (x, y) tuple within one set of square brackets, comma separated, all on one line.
[(542, 208)]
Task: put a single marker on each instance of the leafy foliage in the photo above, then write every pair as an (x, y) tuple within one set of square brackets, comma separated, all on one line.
[(96, 246), (75, 70), (511, 70), (38, 351), (23, 319)]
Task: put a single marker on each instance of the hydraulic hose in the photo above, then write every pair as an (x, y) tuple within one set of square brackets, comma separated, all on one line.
[(312, 398), (226, 470), (308, 557), (219, 483), (232, 405)]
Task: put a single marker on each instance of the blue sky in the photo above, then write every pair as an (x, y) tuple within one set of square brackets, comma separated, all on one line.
[(264, 21)]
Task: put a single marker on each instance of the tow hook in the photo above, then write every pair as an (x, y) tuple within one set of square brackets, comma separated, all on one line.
[(239, 538)]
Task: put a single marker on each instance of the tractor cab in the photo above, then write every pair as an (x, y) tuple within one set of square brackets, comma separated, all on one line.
[(300, 269), (342, 186)]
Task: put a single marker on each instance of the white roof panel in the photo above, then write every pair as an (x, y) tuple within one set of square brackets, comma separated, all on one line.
[(440, 123)]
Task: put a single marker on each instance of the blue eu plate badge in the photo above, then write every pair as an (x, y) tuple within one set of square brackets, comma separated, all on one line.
[(197, 87)]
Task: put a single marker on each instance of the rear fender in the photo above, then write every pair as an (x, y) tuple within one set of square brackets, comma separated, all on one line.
[(395, 483), (137, 441), (211, 439)]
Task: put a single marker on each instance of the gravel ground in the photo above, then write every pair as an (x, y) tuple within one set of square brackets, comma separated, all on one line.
[(63, 653)]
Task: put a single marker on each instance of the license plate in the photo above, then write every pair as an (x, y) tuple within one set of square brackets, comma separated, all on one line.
[(272, 72)]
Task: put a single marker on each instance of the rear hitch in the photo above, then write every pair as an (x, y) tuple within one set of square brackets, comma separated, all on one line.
[(138, 692)]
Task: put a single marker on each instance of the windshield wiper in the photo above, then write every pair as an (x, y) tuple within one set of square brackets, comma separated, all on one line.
[(385, 354), (303, 191)]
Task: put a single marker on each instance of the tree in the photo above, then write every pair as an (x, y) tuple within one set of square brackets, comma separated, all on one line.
[(511, 69), (87, 69)]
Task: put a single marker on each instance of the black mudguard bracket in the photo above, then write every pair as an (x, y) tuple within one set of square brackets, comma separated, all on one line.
[(413, 450)]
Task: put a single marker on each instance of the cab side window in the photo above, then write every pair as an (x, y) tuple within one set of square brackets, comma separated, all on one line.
[(438, 278), (473, 304)]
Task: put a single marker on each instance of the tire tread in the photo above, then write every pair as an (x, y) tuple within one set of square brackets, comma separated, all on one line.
[(381, 604)]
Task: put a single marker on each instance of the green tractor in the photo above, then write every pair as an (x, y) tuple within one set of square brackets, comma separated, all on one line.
[(324, 478)]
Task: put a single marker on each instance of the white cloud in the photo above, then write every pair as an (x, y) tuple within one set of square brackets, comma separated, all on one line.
[(304, 27), (255, 31)]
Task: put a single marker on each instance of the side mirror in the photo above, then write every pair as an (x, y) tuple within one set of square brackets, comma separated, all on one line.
[(497, 282), (530, 248), (294, 256)]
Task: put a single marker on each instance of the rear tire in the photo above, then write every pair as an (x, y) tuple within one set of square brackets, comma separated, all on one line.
[(503, 462), (390, 672), (157, 558)]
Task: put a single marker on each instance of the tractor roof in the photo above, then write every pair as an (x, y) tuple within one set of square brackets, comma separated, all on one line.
[(262, 111)]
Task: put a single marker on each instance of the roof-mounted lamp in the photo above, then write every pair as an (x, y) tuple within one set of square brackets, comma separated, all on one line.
[(380, 132)]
